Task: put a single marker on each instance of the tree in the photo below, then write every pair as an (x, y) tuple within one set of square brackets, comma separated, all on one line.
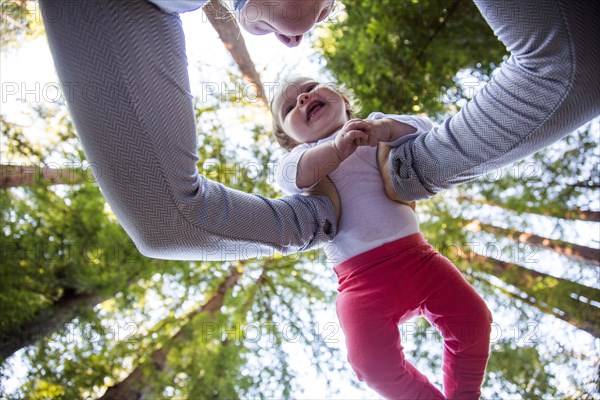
[(61, 257), (139, 383), (559, 182), (532, 380), (578, 252), (21, 20), (62, 253), (409, 42), (229, 32)]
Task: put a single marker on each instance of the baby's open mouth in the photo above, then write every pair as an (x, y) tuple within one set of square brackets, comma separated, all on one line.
[(313, 108)]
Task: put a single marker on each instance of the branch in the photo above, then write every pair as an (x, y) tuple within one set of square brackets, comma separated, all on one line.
[(572, 250), (431, 38), (584, 215), (226, 26)]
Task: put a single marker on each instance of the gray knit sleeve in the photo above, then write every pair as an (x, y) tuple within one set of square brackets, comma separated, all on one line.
[(128, 94), (546, 89)]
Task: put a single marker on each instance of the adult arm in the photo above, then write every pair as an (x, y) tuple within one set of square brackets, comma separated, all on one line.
[(123, 68), (546, 89)]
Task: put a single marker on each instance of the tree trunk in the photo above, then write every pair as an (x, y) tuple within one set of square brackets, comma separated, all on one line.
[(577, 252), (137, 385), (560, 297), (48, 321), (439, 26), (51, 319), (226, 26), (540, 306), (584, 215)]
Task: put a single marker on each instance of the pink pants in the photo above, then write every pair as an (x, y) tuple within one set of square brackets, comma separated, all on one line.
[(388, 285)]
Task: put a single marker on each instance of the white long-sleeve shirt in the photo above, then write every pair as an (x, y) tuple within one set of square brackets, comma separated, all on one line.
[(369, 218)]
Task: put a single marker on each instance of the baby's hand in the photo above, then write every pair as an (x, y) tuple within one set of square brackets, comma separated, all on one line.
[(385, 130), (350, 137)]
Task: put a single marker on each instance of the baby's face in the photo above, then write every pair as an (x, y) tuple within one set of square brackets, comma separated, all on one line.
[(289, 20), (308, 111)]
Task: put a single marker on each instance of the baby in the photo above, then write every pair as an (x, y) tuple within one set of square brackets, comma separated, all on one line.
[(387, 271)]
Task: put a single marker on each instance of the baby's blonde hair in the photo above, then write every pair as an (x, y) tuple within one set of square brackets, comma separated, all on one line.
[(284, 140)]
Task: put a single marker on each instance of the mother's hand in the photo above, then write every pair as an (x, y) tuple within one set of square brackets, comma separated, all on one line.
[(326, 187), (383, 152)]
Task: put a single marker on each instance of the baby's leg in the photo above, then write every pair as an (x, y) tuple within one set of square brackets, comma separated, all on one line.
[(374, 350), (545, 90), (123, 68), (464, 321)]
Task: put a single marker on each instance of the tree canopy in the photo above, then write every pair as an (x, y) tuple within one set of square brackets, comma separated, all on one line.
[(402, 56)]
